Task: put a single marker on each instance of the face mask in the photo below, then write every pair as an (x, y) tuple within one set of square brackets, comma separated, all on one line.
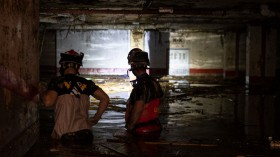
[(67, 65)]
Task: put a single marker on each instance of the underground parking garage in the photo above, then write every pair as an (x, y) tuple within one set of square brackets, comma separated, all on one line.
[(217, 62)]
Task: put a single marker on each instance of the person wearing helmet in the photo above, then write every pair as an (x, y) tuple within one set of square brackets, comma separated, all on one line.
[(70, 96), (142, 106)]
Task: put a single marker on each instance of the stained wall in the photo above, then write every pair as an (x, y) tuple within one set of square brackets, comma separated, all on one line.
[(19, 76), (210, 53)]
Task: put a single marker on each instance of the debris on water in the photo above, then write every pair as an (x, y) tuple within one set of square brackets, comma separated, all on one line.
[(274, 144)]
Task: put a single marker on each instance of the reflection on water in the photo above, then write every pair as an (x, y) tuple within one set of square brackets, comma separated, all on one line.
[(123, 95), (199, 120), (225, 117)]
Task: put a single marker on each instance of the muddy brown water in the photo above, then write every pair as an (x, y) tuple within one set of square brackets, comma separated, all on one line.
[(198, 120)]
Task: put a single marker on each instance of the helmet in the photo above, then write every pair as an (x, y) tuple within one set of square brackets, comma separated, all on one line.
[(71, 56), (70, 59), (138, 58)]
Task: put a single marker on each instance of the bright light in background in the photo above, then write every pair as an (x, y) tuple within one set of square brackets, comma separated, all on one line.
[(105, 50), (178, 62), (131, 76)]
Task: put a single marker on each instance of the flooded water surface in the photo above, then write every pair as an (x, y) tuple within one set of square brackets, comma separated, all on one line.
[(198, 120)]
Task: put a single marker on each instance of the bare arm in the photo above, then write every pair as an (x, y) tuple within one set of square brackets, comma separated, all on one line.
[(136, 113), (102, 106), (49, 98), (45, 97)]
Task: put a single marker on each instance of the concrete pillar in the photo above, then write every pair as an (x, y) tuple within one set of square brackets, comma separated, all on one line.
[(253, 53), (157, 44), (230, 55), (260, 78), (48, 67), (270, 55), (261, 56), (137, 39)]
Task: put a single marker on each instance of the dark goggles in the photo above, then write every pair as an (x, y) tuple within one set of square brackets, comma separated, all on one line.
[(67, 65)]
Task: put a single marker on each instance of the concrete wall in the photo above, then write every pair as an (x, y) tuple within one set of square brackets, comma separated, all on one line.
[(19, 73), (105, 50), (210, 54)]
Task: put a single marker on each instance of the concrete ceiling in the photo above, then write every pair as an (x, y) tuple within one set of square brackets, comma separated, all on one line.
[(158, 14)]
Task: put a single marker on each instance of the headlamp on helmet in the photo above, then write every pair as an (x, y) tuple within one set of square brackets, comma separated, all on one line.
[(72, 56), (71, 59)]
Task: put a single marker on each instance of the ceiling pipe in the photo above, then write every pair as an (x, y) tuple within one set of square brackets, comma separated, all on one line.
[(160, 27), (185, 12)]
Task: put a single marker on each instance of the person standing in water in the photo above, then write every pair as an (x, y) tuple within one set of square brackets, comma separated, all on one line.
[(69, 94), (142, 110)]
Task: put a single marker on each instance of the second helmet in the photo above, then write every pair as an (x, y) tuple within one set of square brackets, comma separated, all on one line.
[(137, 56)]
